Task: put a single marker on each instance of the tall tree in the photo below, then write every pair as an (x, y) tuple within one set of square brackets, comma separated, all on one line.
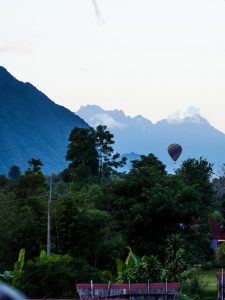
[(197, 173), (35, 164), (82, 155), (14, 173), (140, 201), (108, 161), (32, 182)]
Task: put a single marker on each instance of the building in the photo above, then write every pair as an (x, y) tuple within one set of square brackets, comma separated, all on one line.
[(217, 233), (220, 285), (134, 291)]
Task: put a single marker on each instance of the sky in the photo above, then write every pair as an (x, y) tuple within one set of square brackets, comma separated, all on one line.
[(149, 57)]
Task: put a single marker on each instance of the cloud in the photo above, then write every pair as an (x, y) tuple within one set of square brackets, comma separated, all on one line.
[(105, 119), (192, 114)]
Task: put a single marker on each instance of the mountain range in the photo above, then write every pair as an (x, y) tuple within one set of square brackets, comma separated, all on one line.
[(194, 133), (31, 125)]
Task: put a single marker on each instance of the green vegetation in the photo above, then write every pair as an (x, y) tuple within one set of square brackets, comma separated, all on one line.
[(209, 280), (143, 225)]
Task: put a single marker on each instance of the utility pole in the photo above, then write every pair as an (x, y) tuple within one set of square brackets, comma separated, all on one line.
[(49, 217)]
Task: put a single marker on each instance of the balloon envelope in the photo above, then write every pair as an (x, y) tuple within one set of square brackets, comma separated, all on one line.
[(174, 151)]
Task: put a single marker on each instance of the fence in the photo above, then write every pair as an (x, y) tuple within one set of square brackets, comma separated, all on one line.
[(137, 291)]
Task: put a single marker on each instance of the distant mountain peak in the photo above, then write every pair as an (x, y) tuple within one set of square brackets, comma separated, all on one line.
[(105, 119), (93, 108), (192, 115), (113, 119)]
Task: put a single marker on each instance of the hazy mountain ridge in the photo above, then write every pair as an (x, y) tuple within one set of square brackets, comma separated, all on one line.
[(32, 125), (139, 135), (113, 118)]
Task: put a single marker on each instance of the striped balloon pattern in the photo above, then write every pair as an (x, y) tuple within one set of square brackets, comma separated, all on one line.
[(174, 151)]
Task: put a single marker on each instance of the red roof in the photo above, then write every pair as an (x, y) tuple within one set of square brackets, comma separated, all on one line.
[(219, 274), (217, 232), (161, 285)]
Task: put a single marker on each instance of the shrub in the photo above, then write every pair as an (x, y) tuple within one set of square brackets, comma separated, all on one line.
[(191, 285), (175, 257), (54, 276), (209, 265), (149, 268), (220, 254), (182, 297)]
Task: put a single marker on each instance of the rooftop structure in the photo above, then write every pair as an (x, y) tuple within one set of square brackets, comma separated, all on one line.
[(134, 291)]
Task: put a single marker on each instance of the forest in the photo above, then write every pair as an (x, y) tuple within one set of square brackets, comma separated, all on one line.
[(106, 225)]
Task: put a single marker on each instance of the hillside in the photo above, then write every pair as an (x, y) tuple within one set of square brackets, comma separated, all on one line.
[(32, 126)]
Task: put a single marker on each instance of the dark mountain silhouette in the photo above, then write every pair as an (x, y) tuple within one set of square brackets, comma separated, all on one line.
[(139, 135), (32, 126)]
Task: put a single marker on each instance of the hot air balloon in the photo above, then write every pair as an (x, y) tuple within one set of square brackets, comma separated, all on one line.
[(174, 151)]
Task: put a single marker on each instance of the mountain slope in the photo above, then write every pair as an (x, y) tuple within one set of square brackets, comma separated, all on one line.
[(195, 134), (32, 126)]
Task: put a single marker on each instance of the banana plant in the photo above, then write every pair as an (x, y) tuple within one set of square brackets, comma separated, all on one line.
[(139, 269), (124, 269), (9, 276), (18, 267)]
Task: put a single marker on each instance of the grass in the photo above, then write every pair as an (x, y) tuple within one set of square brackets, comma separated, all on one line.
[(209, 279)]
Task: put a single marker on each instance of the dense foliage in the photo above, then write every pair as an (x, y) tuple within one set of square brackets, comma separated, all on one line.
[(97, 213)]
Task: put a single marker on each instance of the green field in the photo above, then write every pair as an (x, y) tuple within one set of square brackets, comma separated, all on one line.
[(209, 278)]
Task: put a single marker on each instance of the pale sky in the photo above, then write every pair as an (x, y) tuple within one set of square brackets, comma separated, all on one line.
[(149, 57)]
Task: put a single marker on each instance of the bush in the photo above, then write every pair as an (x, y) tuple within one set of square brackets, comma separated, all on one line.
[(191, 285), (54, 276), (209, 265), (182, 297), (175, 257), (220, 254), (149, 268)]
